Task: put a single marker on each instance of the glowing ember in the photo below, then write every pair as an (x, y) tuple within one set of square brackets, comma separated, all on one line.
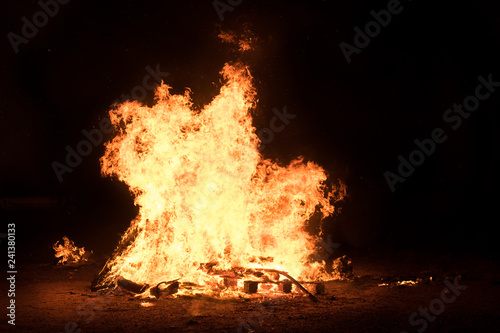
[(243, 42), (69, 253), (146, 304), (407, 283), (206, 195)]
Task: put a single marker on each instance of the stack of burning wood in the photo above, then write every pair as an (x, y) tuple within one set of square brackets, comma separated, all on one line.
[(253, 280)]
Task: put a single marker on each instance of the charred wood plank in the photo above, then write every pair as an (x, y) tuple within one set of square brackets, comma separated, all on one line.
[(131, 286), (320, 288), (311, 296), (286, 286), (250, 287), (172, 288)]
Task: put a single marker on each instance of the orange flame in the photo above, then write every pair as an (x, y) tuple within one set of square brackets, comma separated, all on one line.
[(206, 195), (69, 253)]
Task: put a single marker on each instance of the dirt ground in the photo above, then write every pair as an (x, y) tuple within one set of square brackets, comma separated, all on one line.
[(55, 299)]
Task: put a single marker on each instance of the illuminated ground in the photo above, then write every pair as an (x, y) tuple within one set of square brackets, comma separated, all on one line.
[(48, 298)]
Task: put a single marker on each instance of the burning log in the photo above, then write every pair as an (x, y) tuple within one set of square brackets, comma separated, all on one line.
[(131, 286), (286, 286), (311, 296), (172, 288), (250, 287), (320, 288), (230, 282), (99, 281)]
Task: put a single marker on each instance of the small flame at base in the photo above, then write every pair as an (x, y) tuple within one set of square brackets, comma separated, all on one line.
[(69, 253)]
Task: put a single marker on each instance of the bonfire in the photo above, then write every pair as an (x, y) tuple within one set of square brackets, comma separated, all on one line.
[(211, 207)]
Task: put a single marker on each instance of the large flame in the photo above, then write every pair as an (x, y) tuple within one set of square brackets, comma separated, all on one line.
[(206, 194)]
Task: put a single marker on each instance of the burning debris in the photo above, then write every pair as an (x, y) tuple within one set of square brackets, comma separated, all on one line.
[(214, 213), (406, 281), (268, 280), (68, 253), (168, 288), (342, 268), (131, 286)]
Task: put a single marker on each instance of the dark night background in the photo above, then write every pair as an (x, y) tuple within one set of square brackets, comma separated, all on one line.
[(352, 119)]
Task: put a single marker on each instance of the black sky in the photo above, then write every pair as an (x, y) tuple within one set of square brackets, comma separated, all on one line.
[(353, 119)]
